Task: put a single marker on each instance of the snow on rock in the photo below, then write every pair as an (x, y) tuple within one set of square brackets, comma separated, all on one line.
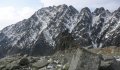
[(97, 29)]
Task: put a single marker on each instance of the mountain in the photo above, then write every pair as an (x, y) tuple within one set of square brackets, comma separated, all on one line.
[(39, 34)]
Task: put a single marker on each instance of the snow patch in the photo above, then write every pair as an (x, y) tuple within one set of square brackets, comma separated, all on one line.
[(116, 27), (48, 38), (106, 36)]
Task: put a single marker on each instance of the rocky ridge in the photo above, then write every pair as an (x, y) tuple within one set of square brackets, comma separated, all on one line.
[(38, 35)]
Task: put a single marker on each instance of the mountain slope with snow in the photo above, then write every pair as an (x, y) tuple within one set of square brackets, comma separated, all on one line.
[(37, 35)]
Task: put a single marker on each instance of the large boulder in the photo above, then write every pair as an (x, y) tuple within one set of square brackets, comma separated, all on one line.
[(24, 62), (85, 60), (110, 64), (40, 64)]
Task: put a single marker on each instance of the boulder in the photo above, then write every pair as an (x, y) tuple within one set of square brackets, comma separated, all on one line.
[(24, 62), (40, 63), (109, 63), (115, 65), (12, 65), (84, 60)]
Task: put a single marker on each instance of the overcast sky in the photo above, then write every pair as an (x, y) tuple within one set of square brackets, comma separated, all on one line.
[(12, 11)]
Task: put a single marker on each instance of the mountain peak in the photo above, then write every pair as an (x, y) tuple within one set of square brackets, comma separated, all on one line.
[(116, 13), (73, 9), (62, 6), (118, 9), (85, 9), (85, 13), (99, 11)]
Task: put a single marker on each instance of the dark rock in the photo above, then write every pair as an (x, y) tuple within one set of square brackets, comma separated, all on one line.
[(64, 40), (24, 62), (110, 64), (99, 11), (115, 65)]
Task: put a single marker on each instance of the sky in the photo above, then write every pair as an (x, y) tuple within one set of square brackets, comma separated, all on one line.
[(12, 11)]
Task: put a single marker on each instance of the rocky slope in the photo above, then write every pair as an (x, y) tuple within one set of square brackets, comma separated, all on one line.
[(39, 34), (69, 59)]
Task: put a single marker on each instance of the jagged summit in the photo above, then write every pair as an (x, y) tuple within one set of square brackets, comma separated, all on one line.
[(99, 11), (118, 9), (38, 34), (85, 12), (86, 9)]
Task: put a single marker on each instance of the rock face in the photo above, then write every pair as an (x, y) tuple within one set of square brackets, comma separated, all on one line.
[(38, 35), (84, 60), (109, 64)]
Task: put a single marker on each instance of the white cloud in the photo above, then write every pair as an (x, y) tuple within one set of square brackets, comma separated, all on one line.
[(6, 13), (26, 12), (10, 15)]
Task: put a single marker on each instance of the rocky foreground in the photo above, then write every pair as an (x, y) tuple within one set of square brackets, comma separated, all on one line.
[(70, 59)]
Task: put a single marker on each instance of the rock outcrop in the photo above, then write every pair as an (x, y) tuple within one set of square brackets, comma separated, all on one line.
[(85, 60)]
